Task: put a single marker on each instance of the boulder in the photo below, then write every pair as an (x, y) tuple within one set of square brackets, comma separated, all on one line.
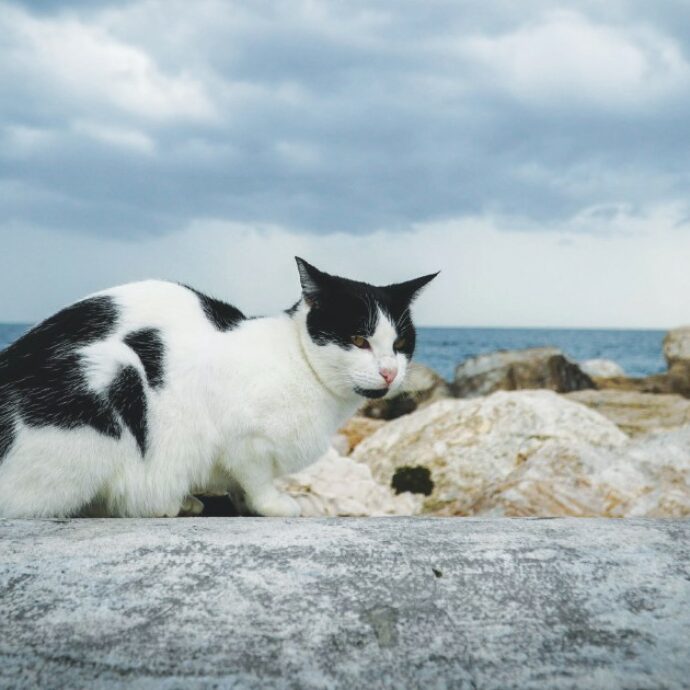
[(658, 384), (355, 430), (602, 368), (341, 443), (510, 370), (453, 451), (677, 353), (677, 346), (649, 477), (637, 413), (339, 486), (422, 386)]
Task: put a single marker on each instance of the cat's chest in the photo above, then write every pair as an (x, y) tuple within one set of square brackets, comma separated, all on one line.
[(301, 430), (266, 390)]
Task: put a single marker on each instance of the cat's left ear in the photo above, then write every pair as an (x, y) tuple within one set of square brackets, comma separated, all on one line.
[(408, 291), (313, 281)]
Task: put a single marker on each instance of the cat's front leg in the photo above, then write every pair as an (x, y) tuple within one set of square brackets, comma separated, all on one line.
[(191, 507), (274, 503), (255, 478)]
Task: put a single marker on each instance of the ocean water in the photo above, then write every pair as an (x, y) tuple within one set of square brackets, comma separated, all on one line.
[(638, 352)]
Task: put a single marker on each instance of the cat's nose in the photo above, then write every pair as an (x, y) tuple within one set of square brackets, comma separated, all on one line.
[(389, 374)]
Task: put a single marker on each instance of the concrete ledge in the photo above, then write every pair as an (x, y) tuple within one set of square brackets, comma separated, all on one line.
[(370, 603)]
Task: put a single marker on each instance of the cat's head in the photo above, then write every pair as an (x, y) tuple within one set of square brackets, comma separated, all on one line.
[(359, 337)]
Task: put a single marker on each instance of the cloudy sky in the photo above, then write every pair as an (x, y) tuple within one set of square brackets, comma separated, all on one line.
[(537, 152)]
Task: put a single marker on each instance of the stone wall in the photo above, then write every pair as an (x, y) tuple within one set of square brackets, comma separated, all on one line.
[(370, 603)]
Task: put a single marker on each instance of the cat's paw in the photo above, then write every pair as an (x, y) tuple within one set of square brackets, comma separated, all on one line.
[(276, 504), (191, 506)]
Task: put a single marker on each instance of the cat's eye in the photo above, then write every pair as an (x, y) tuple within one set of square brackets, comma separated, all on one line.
[(399, 344), (360, 341)]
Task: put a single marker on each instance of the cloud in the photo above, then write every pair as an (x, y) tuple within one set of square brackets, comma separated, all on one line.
[(86, 66), (116, 136), (327, 120), (566, 60), (490, 275), (127, 124), (19, 141)]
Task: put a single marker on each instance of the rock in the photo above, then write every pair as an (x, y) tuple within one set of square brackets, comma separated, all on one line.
[(341, 443), (657, 384), (649, 477), (356, 430), (510, 370), (421, 387), (340, 486), (637, 413), (677, 346), (454, 450), (675, 381), (602, 368), (258, 603), (678, 378), (677, 353)]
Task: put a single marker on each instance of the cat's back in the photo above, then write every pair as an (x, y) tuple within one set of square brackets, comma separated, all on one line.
[(167, 305), (104, 360), (140, 316)]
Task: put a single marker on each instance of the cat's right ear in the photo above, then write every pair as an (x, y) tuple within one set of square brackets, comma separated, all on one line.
[(312, 281)]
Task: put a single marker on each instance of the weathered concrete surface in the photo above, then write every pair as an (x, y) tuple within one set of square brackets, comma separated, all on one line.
[(372, 603)]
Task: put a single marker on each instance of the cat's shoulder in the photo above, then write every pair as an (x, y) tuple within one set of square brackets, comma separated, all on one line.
[(165, 297), (145, 290)]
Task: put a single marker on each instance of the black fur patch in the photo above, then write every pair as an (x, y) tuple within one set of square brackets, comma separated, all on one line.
[(7, 433), (371, 393), (41, 371), (148, 345), (293, 309), (221, 314), (128, 397)]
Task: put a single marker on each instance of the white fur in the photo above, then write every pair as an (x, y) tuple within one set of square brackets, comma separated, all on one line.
[(237, 408)]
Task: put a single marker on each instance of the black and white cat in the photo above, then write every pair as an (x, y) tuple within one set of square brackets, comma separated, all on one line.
[(133, 399)]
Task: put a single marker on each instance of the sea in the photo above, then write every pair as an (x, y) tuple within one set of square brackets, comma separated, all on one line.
[(638, 352)]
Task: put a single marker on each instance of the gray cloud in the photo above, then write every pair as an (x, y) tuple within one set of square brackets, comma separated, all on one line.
[(135, 119)]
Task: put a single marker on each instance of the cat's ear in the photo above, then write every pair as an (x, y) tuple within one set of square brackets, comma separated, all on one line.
[(409, 290), (313, 281)]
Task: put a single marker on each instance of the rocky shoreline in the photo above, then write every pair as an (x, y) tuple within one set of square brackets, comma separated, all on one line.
[(516, 433)]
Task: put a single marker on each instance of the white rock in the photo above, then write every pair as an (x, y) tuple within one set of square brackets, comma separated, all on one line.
[(469, 445), (644, 478), (339, 486), (354, 431), (637, 413), (341, 443), (602, 368)]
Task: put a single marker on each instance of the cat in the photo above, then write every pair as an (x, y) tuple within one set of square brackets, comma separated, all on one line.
[(135, 398)]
